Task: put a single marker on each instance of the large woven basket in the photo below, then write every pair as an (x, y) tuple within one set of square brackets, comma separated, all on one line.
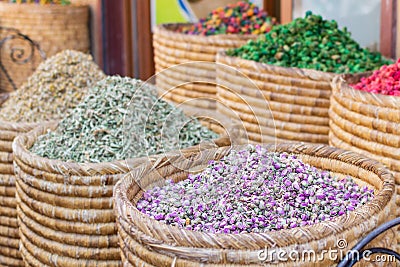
[(53, 27), (147, 242), (65, 210), (369, 124), (191, 82), (9, 238), (275, 103)]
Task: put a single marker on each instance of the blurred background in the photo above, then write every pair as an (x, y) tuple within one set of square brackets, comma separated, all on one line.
[(119, 33), (372, 22)]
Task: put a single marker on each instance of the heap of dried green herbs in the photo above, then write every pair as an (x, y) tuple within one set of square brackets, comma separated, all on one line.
[(311, 43), (120, 118), (56, 87)]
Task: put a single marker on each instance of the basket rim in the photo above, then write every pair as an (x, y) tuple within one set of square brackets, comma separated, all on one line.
[(46, 7), (386, 193), (291, 71), (164, 27), (19, 126), (341, 85), (23, 153), (220, 40)]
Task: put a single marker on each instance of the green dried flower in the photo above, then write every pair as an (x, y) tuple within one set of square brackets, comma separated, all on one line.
[(311, 43), (120, 118)]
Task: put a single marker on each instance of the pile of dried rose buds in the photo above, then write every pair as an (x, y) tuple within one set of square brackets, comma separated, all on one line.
[(253, 190)]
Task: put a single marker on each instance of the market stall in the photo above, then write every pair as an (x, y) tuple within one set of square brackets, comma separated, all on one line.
[(263, 130)]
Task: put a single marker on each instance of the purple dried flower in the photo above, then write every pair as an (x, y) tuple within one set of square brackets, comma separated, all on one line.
[(296, 185), (288, 182), (320, 195), (253, 191)]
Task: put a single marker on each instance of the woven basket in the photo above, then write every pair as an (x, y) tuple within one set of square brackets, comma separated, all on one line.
[(217, 122), (275, 103), (194, 81), (65, 210), (9, 239), (368, 124), (152, 243), (54, 27)]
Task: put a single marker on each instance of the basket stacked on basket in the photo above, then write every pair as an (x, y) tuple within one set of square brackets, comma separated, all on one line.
[(9, 237), (195, 45), (368, 124), (66, 171), (54, 27), (147, 242), (43, 98), (275, 103), (178, 83), (279, 84), (65, 209)]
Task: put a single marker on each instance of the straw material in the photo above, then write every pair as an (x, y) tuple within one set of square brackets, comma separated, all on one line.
[(217, 122), (61, 249), (9, 242), (12, 257), (68, 214), (8, 231), (171, 48), (201, 70), (8, 203), (51, 259), (153, 243), (65, 209), (53, 27), (253, 131), (8, 221), (295, 101), (200, 102), (29, 259), (200, 88), (288, 116), (104, 229), (252, 115), (368, 124), (10, 252), (99, 241)]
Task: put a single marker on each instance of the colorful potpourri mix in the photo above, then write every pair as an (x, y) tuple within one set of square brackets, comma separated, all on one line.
[(240, 18), (253, 190), (42, 2), (385, 81)]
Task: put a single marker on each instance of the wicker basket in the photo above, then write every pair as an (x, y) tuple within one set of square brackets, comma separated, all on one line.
[(9, 238), (216, 122), (275, 103), (65, 210), (194, 81), (368, 124), (53, 27), (152, 243)]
